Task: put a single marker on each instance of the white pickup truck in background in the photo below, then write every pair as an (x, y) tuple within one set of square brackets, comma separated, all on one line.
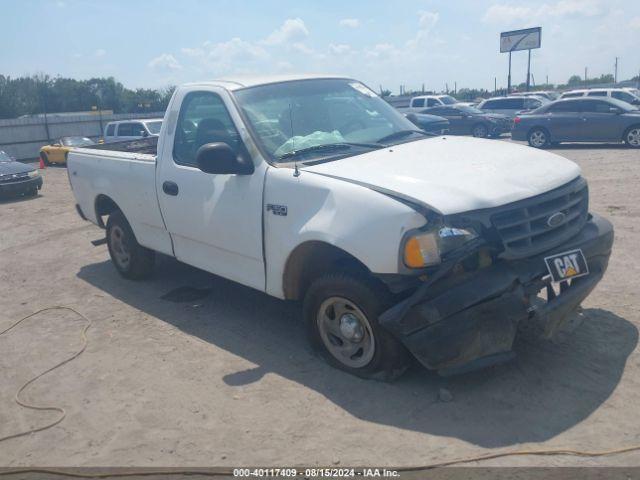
[(398, 243)]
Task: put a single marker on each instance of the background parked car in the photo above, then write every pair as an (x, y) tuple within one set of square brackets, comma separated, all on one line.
[(124, 130), (465, 120), (617, 93), (580, 120), (429, 123), (548, 94), (17, 178), (511, 106), (58, 150)]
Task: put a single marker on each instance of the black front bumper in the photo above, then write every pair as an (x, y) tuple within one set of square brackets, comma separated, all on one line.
[(21, 187), (473, 323)]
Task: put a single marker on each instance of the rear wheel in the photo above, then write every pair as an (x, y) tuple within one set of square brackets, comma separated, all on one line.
[(341, 313), (538, 138), (480, 131), (131, 259), (632, 136)]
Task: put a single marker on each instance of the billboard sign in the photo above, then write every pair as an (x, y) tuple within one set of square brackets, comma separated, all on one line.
[(515, 40)]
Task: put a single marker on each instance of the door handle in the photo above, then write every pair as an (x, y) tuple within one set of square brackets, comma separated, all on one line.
[(170, 188)]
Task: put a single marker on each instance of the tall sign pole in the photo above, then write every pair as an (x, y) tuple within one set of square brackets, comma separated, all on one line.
[(509, 76), (529, 71)]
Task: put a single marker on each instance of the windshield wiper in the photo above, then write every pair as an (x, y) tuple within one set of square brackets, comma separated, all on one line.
[(328, 147), (400, 134)]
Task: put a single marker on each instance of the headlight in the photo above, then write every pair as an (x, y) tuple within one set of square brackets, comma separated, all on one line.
[(426, 249), (33, 173)]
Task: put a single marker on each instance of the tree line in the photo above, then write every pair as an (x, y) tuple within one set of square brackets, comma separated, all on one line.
[(37, 94)]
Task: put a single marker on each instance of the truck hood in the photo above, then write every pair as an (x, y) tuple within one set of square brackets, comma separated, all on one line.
[(455, 174)]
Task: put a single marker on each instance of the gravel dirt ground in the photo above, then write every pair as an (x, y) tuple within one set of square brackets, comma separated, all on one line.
[(228, 379)]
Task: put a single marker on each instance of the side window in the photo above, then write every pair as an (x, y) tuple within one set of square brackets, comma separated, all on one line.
[(203, 119), (111, 130), (125, 130), (489, 104), (597, 94), (565, 107), (137, 129), (571, 95), (624, 96), (534, 103), (432, 102), (594, 106), (418, 102)]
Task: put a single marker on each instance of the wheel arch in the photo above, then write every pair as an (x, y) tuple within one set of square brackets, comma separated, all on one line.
[(104, 205), (311, 259)]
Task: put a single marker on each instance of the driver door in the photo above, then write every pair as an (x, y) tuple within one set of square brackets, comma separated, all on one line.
[(215, 220)]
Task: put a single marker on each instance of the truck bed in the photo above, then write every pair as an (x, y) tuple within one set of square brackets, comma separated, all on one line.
[(148, 146)]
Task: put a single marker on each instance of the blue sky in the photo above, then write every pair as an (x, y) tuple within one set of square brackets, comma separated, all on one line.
[(153, 43)]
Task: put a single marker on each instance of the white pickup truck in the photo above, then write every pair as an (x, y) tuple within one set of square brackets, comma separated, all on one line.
[(313, 188)]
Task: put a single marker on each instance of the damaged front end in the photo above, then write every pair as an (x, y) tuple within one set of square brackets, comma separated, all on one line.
[(465, 314)]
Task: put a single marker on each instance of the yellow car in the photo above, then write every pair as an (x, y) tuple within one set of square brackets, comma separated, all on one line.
[(58, 150)]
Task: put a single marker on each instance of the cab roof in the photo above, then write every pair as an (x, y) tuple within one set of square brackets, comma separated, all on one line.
[(236, 83)]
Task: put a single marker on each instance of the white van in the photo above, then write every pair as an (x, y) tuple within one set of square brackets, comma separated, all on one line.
[(618, 93), (123, 130)]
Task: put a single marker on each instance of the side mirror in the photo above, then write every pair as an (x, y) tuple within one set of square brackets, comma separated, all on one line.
[(221, 159)]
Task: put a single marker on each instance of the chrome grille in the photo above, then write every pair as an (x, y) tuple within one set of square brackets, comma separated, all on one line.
[(524, 227), (14, 177)]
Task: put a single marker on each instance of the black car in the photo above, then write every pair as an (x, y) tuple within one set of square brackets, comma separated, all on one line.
[(579, 120), (429, 123), (17, 178), (465, 120)]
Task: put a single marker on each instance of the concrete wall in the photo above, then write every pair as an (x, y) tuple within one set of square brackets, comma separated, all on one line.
[(23, 137)]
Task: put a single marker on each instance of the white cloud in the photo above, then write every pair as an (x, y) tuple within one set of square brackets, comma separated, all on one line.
[(166, 61), (340, 49), (506, 14), (350, 22), (509, 14), (101, 52), (426, 22), (293, 29)]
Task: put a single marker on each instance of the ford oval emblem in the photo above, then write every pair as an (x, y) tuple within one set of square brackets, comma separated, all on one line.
[(555, 219)]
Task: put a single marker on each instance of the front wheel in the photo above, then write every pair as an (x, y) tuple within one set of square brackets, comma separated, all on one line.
[(341, 314), (632, 137), (132, 260), (480, 131), (538, 138)]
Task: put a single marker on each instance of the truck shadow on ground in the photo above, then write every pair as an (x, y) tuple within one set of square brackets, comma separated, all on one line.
[(548, 389)]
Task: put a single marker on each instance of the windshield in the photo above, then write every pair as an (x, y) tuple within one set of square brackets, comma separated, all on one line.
[(154, 127), (302, 115), (448, 100), (4, 157), (76, 141)]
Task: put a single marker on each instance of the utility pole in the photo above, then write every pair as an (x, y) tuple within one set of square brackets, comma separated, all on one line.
[(547, 81), (615, 76), (585, 75), (455, 88), (529, 71), (495, 85), (509, 77)]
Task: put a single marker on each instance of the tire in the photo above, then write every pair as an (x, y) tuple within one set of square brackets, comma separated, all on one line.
[(538, 138), (632, 136), (480, 131), (45, 159), (357, 300), (33, 192), (132, 260)]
